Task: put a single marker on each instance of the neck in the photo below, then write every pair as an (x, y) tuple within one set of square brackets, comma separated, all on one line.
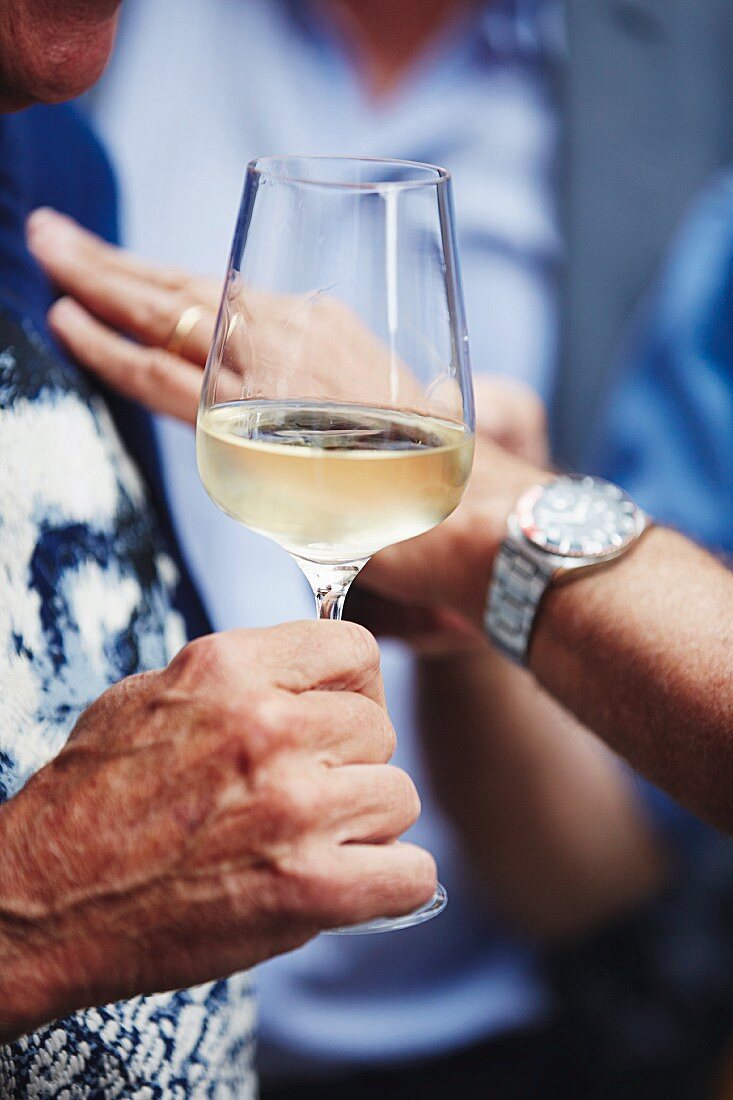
[(386, 37)]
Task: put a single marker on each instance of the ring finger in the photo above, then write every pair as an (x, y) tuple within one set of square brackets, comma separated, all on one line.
[(138, 299)]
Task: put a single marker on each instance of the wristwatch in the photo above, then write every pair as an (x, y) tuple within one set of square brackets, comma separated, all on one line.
[(558, 530)]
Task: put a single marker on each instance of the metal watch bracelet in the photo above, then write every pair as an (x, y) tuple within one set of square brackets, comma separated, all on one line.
[(517, 586)]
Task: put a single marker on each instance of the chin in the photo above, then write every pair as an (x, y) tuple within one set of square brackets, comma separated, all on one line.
[(51, 64)]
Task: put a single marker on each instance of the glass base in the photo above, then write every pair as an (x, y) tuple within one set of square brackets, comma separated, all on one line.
[(431, 909)]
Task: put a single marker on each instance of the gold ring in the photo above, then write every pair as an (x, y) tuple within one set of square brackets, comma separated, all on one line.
[(186, 324)]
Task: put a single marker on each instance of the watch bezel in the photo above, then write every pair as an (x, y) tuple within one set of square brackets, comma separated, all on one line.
[(539, 540)]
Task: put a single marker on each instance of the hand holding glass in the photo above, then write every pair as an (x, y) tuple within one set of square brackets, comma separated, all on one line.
[(337, 411)]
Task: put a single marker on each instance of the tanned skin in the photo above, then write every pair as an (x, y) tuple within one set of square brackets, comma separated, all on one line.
[(643, 654), (52, 50), (640, 651)]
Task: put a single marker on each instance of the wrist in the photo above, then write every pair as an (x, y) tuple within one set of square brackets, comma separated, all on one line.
[(569, 618), (576, 525), (30, 991), (39, 978)]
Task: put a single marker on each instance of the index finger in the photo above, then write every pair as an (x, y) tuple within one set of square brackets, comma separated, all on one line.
[(92, 249), (125, 292), (323, 655)]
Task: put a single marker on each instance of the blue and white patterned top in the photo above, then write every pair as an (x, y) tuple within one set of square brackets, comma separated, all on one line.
[(87, 588)]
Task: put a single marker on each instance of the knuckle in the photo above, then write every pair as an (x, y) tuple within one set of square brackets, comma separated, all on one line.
[(143, 314), (414, 881), (194, 654), (405, 793), (421, 874), (201, 658), (257, 717), (269, 714), (305, 884), (177, 278), (388, 736), (151, 314), (363, 648), (157, 367), (300, 800), (426, 872), (291, 804), (242, 734), (365, 724)]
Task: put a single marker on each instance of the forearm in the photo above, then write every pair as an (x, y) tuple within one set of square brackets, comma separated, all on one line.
[(548, 817), (642, 653), (36, 970), (27, 984)]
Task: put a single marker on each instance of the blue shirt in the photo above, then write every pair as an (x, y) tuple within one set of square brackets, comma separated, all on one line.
[(667, 437), (668, 433)]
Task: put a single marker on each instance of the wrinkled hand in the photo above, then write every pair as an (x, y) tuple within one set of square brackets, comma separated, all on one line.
[(204, 818), (119, 314)]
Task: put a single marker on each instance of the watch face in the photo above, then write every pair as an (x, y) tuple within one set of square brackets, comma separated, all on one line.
[(579, 517)]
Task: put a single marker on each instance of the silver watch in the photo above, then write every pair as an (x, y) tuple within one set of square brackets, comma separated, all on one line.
[(557, 530)]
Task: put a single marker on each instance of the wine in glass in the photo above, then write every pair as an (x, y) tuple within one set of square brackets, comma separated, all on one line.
[(337, 410)]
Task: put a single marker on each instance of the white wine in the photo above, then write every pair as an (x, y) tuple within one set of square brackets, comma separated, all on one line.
[(332, 483)]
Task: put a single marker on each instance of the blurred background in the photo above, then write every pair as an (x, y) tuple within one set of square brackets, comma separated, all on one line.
[(589, 141)]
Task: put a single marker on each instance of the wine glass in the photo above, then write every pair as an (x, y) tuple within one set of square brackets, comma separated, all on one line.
[(336, 413)]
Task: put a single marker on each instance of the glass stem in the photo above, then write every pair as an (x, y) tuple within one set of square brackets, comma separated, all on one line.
[(330, 584)]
